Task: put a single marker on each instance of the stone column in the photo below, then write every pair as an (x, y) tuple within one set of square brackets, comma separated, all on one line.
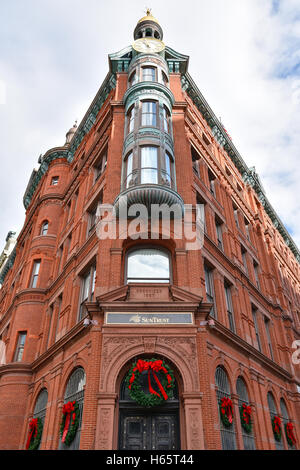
[(193, 421), (105, 421)]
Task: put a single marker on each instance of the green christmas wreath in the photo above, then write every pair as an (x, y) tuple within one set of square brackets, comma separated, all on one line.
[(165, 386), (70, 422), (35, 434), (226, 411)]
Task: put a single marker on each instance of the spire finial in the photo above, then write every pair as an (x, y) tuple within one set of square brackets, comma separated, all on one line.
[(148, 11)]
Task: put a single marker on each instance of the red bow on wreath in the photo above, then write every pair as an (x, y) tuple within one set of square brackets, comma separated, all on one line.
[(68, 410), (290, 432), (32, 431), (277, 424), (246, 413), (226, 408), (153, 367)]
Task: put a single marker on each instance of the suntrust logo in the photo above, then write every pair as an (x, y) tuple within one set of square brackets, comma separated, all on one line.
[(140, 222)]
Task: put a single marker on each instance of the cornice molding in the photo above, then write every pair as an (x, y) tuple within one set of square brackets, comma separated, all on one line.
[(249, 175)]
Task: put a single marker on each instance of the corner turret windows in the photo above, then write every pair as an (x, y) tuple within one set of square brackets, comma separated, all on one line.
[(149, 111), (148, 74), (54, 181), (130, 117), (149, 165), (35, 273), (166, 119), (129, 175)]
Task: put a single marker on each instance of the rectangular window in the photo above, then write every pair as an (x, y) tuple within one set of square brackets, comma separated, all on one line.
[(201, 209), (35, 273), (148, 74), (227, 289), (236, 217), (87, 289), (209, 288), (255, 267), (247, 229), (148, 113), (267, 325), (149, 165), (54, 180), (20, 346), (254, 316), (244, 258), (59, 300), (93, 215), (219, 233), (100, 166), (212, 178)]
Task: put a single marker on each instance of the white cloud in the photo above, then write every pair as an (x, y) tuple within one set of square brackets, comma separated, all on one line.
[(243, 57)]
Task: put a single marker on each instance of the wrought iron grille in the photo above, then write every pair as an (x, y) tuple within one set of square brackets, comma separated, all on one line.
[(228, 437), (241, 389)]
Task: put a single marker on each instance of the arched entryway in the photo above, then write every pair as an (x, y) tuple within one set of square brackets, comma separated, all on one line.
[(144, 428)]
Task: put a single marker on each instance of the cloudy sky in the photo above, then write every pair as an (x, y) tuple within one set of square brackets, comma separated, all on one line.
[(244, 57)]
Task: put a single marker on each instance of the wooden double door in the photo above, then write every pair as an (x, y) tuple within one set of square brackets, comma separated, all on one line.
[(146, 430)]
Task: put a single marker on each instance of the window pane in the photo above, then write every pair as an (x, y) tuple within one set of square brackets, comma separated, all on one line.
[(148, 113), (149, 74), (148, 176), (148, 265), (149, 157)]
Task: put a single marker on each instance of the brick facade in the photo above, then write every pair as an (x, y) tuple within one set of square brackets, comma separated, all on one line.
[(57, 341)]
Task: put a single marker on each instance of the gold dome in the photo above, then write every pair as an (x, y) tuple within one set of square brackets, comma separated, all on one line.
[(148, 17)]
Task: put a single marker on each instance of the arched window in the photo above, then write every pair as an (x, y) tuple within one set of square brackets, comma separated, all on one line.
[(223, 390), (241, 389), (285, 417), (148, 265), (44, 229), (41, 407), (75, 392), (273, 412)]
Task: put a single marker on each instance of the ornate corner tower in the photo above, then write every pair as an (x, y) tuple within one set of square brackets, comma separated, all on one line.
[(148, 160)]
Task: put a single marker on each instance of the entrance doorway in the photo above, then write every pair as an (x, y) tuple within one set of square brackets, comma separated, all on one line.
[(154, 428)]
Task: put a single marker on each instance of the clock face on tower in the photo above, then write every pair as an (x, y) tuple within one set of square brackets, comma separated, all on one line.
[(148, 45)]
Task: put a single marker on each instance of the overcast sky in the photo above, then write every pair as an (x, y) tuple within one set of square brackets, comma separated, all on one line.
[(244, 57)]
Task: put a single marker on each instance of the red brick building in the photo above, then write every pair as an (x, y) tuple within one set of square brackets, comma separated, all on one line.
[(77, 311)]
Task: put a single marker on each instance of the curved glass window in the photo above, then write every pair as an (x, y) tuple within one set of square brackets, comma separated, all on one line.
[(130, 116), (149, 113), (129, 174), (148, 265), (148, 74), (166, 119), (149, 165), (132, 79), (166, 172)]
